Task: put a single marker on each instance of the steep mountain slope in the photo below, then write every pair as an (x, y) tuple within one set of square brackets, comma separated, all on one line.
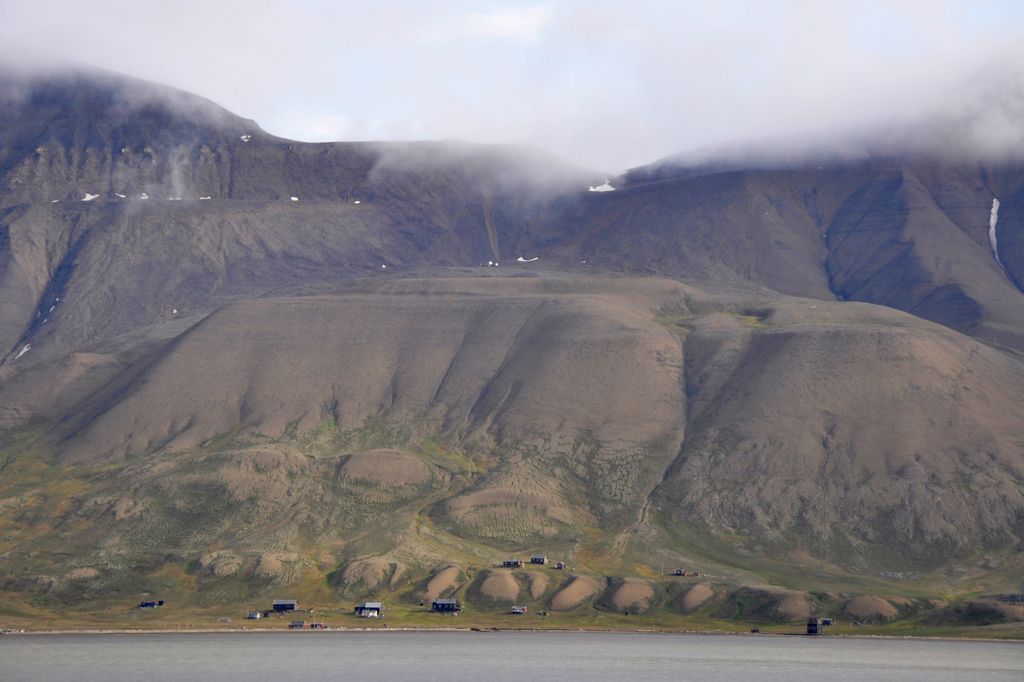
[(249, 362), (907, 233), (102, 179)]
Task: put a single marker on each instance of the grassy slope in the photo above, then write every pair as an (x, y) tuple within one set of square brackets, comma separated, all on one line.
[(47, 495)]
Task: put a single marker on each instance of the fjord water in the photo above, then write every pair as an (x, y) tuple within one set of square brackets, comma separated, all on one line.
[(464, 656)]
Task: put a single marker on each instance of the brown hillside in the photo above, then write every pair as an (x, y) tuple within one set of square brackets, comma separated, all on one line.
[(386, 467), (579, 589), (500, 585), (232, 362)]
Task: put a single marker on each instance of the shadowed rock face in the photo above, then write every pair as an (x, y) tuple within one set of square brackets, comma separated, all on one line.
[(814, 383), (906, 233), (902, 233)]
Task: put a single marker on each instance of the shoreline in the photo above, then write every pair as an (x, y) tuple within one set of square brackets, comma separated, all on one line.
[(479, 630)]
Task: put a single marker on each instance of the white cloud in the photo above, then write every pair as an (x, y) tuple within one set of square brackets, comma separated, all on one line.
[(519, 24)]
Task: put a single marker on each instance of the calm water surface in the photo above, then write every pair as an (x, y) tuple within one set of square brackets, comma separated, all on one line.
[(464, 656)]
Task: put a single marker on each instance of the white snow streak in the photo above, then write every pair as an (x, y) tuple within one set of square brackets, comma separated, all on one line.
[(606, 187), (90, 197), (27, 348), (527, 260), (295, 198), (143, 196), (120, 195), (992, 219), (204, 198), (246, 138)]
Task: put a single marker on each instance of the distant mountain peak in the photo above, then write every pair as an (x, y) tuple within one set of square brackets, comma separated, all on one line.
[(81, 107)]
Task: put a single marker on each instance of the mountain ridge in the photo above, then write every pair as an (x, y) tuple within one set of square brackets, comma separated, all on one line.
[(801, 375)]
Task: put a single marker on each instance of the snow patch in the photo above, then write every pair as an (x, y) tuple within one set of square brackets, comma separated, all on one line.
[(383, 266), (51, 308), (55, 201), (118, 194), (90, 197), (527, 260), (606, 187), (204, 198), (174, 311), (174, 198), (295, 198), (357, 202), (993, 218), (246, 138), (143, 196), (25, 349)]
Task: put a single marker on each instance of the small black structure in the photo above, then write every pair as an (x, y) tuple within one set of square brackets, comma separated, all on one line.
[(816, 626), (282, 605), (150, 604), (512, 563), (538, 559), (446, 606), (370, 609)]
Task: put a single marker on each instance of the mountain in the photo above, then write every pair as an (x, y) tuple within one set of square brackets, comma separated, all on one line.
[(233, 363)]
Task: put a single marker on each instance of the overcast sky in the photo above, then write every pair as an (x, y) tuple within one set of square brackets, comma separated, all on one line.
[(605, 84)]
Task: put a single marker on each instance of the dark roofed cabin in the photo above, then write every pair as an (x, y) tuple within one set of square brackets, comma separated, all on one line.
[(538, 559), (446, 606), (282, 605), (512, 563), (150, 604), (370, 609), (816, 626)]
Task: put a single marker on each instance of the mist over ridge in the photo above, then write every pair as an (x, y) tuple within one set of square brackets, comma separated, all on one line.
[(599, 86)]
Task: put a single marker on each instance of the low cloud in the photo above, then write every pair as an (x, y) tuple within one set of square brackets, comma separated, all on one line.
[(517, 24), (607, 85)]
